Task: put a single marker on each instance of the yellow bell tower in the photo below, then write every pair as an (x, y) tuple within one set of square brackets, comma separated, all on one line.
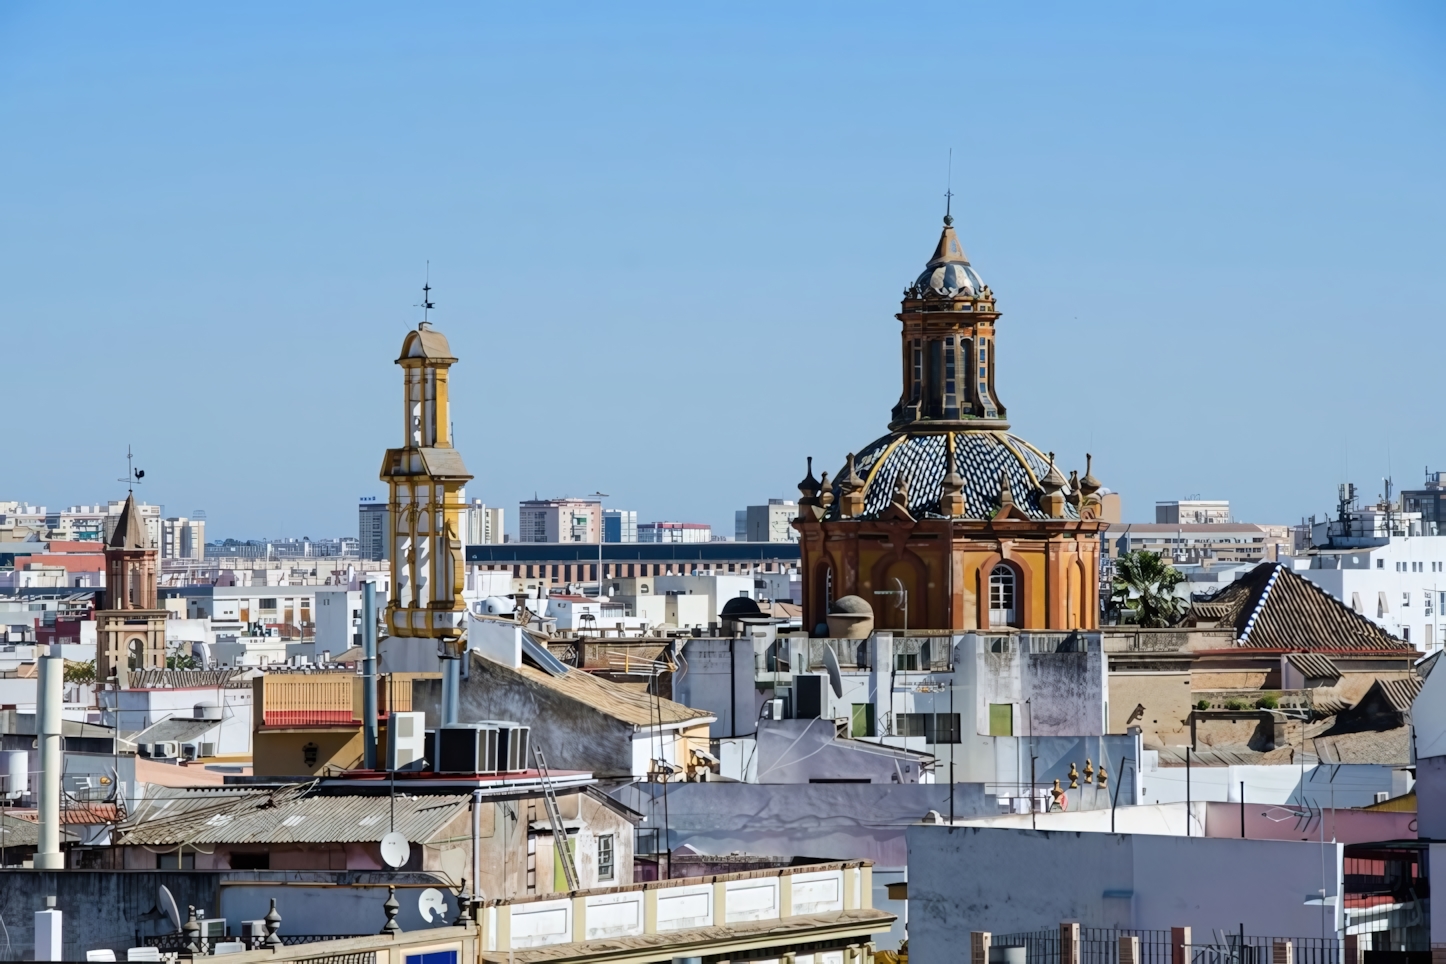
[(426, 477)]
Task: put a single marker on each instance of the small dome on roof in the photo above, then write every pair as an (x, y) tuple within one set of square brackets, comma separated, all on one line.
[(740, 608), (851, 605), (949, 272)]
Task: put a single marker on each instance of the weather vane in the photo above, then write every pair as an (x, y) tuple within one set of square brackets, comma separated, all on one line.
[(133, 474), (427, 304)]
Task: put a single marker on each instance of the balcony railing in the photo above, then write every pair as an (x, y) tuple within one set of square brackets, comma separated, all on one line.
[(326, 699)]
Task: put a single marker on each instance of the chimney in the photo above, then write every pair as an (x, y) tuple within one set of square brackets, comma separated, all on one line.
[(52, 700)]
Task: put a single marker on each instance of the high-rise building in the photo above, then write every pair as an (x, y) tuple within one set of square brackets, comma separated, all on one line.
[(425, 477), (675, 532), (373, 524), (559, 520), (620, 525), (481, 524), (769, 523), (183, 538)]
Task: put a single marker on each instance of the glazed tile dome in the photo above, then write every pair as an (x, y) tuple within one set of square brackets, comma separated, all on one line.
[(980, 458), (949, 272)]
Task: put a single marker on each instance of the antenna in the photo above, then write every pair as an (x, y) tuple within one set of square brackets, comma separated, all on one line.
[(133, 475), (949, 191), (427, 304)]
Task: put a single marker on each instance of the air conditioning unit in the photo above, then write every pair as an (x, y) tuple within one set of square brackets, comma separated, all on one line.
[(406, 741), (165, 750), (512, 747), (188, 751), (467, 748), (207, 749), (773, 709)]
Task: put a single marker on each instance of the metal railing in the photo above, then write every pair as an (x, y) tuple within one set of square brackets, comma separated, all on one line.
[(1101, 945), (1097, 945)]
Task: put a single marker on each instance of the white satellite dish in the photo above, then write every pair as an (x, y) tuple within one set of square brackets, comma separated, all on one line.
[(430, 902), (830, 663), (168, 907), (395, 849)]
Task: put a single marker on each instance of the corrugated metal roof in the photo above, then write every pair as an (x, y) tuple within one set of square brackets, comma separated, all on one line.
[(283, 817)]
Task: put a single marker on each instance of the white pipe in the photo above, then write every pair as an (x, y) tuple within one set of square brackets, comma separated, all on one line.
[(52, 700)]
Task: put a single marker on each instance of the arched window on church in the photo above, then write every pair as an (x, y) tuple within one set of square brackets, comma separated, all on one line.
[(1001, 596)]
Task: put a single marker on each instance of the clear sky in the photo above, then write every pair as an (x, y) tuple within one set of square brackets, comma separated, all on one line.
[(667, 243)]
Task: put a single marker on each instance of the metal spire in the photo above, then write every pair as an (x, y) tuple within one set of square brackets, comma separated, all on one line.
[(949, 191), (427, 304)]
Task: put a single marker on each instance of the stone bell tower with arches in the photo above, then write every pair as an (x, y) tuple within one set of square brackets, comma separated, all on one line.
[(950, 522), (130, 632), (425, 478)]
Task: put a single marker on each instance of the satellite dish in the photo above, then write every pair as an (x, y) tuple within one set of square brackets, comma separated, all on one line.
[(830, 663), (430, 902), (168, 907), (395, 850)]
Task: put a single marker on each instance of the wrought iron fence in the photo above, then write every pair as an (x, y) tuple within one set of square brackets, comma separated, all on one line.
[(176, 943), (1097, 945), (1101, 945)]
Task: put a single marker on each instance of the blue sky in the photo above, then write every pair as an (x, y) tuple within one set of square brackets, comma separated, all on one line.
[(667, 243)]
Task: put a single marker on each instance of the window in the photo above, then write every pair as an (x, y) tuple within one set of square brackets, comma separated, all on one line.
[(267, 604), (1001, 596), (1406, 633), (1380, 563), (1001, 719), (1405, 600), (861, 720), (605, 856), (906, 662), (250, 861), (933, 727), (432, 957)]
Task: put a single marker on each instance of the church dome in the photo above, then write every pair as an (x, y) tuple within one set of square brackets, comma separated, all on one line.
[(985, 462), (948, 271)]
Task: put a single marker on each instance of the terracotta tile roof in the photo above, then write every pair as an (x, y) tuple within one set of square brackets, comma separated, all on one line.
[(605, 696), (1314, 666), (1271, 607), (1399, 693)]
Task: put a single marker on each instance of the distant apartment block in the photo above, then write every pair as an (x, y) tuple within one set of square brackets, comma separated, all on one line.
[(675, 532), (1430, 501), (1192, 512), (620, 525), (481, 524), (559, 520), (768, 523), (373, 522), (183, 538), (1193, 543)]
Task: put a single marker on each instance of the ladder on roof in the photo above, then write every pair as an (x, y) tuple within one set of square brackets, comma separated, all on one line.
[(559, 833)]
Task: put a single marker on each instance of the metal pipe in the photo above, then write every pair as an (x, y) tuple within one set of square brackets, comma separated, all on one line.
[(451, 673), (369, 675), (51, 698), (477, 854)]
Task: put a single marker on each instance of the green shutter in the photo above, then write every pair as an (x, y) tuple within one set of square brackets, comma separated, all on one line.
[(1001, 719), (862, 723)]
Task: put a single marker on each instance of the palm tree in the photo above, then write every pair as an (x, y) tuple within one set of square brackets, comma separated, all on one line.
[(1144, 589)]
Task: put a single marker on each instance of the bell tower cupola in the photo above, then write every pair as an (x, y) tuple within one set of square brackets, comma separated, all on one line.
[(948, 318)]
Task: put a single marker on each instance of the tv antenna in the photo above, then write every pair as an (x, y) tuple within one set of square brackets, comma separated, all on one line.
[(427, 304), (133, 475)]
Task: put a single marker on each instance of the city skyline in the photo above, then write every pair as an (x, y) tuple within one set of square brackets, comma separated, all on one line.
[(240, 219)]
